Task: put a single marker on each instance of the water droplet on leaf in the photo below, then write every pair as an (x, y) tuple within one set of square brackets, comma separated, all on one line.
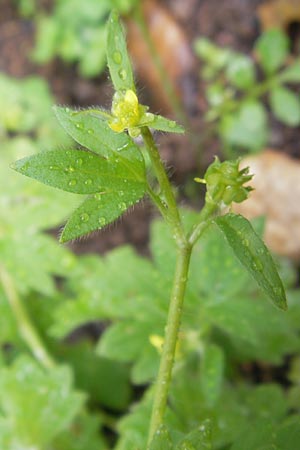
[(79, 162), (102, 221), (122, 74), (84, 217), (117, 57), (88, 181), (72, 182), (122, 206)]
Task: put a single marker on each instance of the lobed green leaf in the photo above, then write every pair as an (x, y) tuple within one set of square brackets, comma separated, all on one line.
[(117, 56), (253, 255), (35, 406)]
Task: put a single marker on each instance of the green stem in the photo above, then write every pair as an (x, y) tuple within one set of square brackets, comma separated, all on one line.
[(171, 214), (26, 328), (207, 211), (172, 328)]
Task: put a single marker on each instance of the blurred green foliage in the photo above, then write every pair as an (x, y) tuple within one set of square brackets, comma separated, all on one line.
[(238, 85), (74, 31), (227, 325)]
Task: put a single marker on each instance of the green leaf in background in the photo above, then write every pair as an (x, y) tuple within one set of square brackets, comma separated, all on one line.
[(292, 73), (82, 435), (253, 255), (117, 56), (113, 391), (240, 72), (212, 368), (272, 49), (161, 440), (35, 405), (247, 127), (285, 105), (198, 439)]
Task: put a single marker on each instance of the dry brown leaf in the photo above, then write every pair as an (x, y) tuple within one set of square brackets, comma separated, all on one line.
[(279, 13), (171, 45), (277, 196)]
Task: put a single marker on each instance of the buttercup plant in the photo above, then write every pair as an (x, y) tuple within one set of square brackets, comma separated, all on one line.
[(111, 174)]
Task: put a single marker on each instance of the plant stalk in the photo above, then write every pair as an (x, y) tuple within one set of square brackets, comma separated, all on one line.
[(171, 214), (172, 328), (25, 326)]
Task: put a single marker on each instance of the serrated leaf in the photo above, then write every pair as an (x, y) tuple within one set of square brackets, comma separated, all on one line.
[(79, 171), (35, 406), (101, 209), (162, 124), (212, 368), (253, 255), (117, 56), (198, 439), (161, 440), (272, 49), (285, 105)]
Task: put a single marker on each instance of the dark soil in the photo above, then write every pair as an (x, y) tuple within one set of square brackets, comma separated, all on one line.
[(232, 23)]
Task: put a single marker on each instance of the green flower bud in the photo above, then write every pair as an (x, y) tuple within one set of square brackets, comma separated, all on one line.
[(225, 182)]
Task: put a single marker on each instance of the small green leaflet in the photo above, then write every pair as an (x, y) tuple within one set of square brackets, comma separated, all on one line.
[(162, 124), (117, 57), (285, 106), (253, 255), (292, 73), (78, 171), (272, 49), (91, 131)]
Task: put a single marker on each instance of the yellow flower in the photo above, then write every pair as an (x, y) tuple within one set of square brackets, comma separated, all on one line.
[(127, 113)]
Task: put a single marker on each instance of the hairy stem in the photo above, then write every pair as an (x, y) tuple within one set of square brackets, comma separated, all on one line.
[(171, 214), (172, 328), (25, 326)]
